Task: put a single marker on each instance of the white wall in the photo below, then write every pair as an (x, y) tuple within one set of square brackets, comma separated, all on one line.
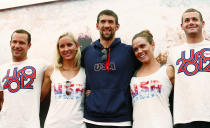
[(5, 4), (46, 22)]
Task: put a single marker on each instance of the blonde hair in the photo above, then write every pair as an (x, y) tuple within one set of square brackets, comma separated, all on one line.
[(59, 59)]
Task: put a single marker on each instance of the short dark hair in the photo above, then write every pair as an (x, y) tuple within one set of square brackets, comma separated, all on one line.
[(23, 31), (109, 13), (193, 10)]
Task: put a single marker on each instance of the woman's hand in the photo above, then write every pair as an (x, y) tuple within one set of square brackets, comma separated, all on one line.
[(87, 93)]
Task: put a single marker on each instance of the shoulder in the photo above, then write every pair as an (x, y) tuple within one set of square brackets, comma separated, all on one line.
[(40, 64), (89, 47), (170, 71), (82, 72), (175, 48), (126, 46), (49, 70), (82, 69), (173, 52), (38, 61), (129, 49), (134, 80), (4, 67), (206, 43)]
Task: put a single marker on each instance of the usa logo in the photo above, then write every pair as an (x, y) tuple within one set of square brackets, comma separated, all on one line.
[(102, 66), (19, 79), (146, 89), (197, 62)]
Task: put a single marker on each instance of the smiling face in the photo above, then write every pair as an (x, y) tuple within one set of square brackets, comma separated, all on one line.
[(67, 48), (192, 24), (107, 27), (143, 49), (19, 46)]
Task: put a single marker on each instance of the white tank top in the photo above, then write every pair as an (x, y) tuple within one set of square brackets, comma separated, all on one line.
[(150, 98), (66, 106)]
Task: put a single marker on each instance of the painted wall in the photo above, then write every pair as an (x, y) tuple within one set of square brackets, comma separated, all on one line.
[(46, 22)]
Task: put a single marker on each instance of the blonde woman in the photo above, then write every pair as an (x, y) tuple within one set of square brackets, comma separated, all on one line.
[(66, 80)]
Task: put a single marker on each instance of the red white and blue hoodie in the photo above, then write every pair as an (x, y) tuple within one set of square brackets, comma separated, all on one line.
[(110, 98)]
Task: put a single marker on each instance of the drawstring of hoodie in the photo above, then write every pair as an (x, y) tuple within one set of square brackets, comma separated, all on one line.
[(108, 59)]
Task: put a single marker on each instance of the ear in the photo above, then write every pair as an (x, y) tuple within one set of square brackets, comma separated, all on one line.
[(97, 26), (153, 46), (77, 45), (117, 26), (29, 45), (203, 23), (181, 26)]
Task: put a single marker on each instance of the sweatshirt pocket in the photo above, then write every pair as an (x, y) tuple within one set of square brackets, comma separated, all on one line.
[(107, 102)]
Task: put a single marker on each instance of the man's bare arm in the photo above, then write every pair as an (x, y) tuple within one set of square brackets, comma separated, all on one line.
[(1, 99)]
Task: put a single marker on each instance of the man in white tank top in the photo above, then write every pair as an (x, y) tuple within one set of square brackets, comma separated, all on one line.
[(20, 84), (192, 72)]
